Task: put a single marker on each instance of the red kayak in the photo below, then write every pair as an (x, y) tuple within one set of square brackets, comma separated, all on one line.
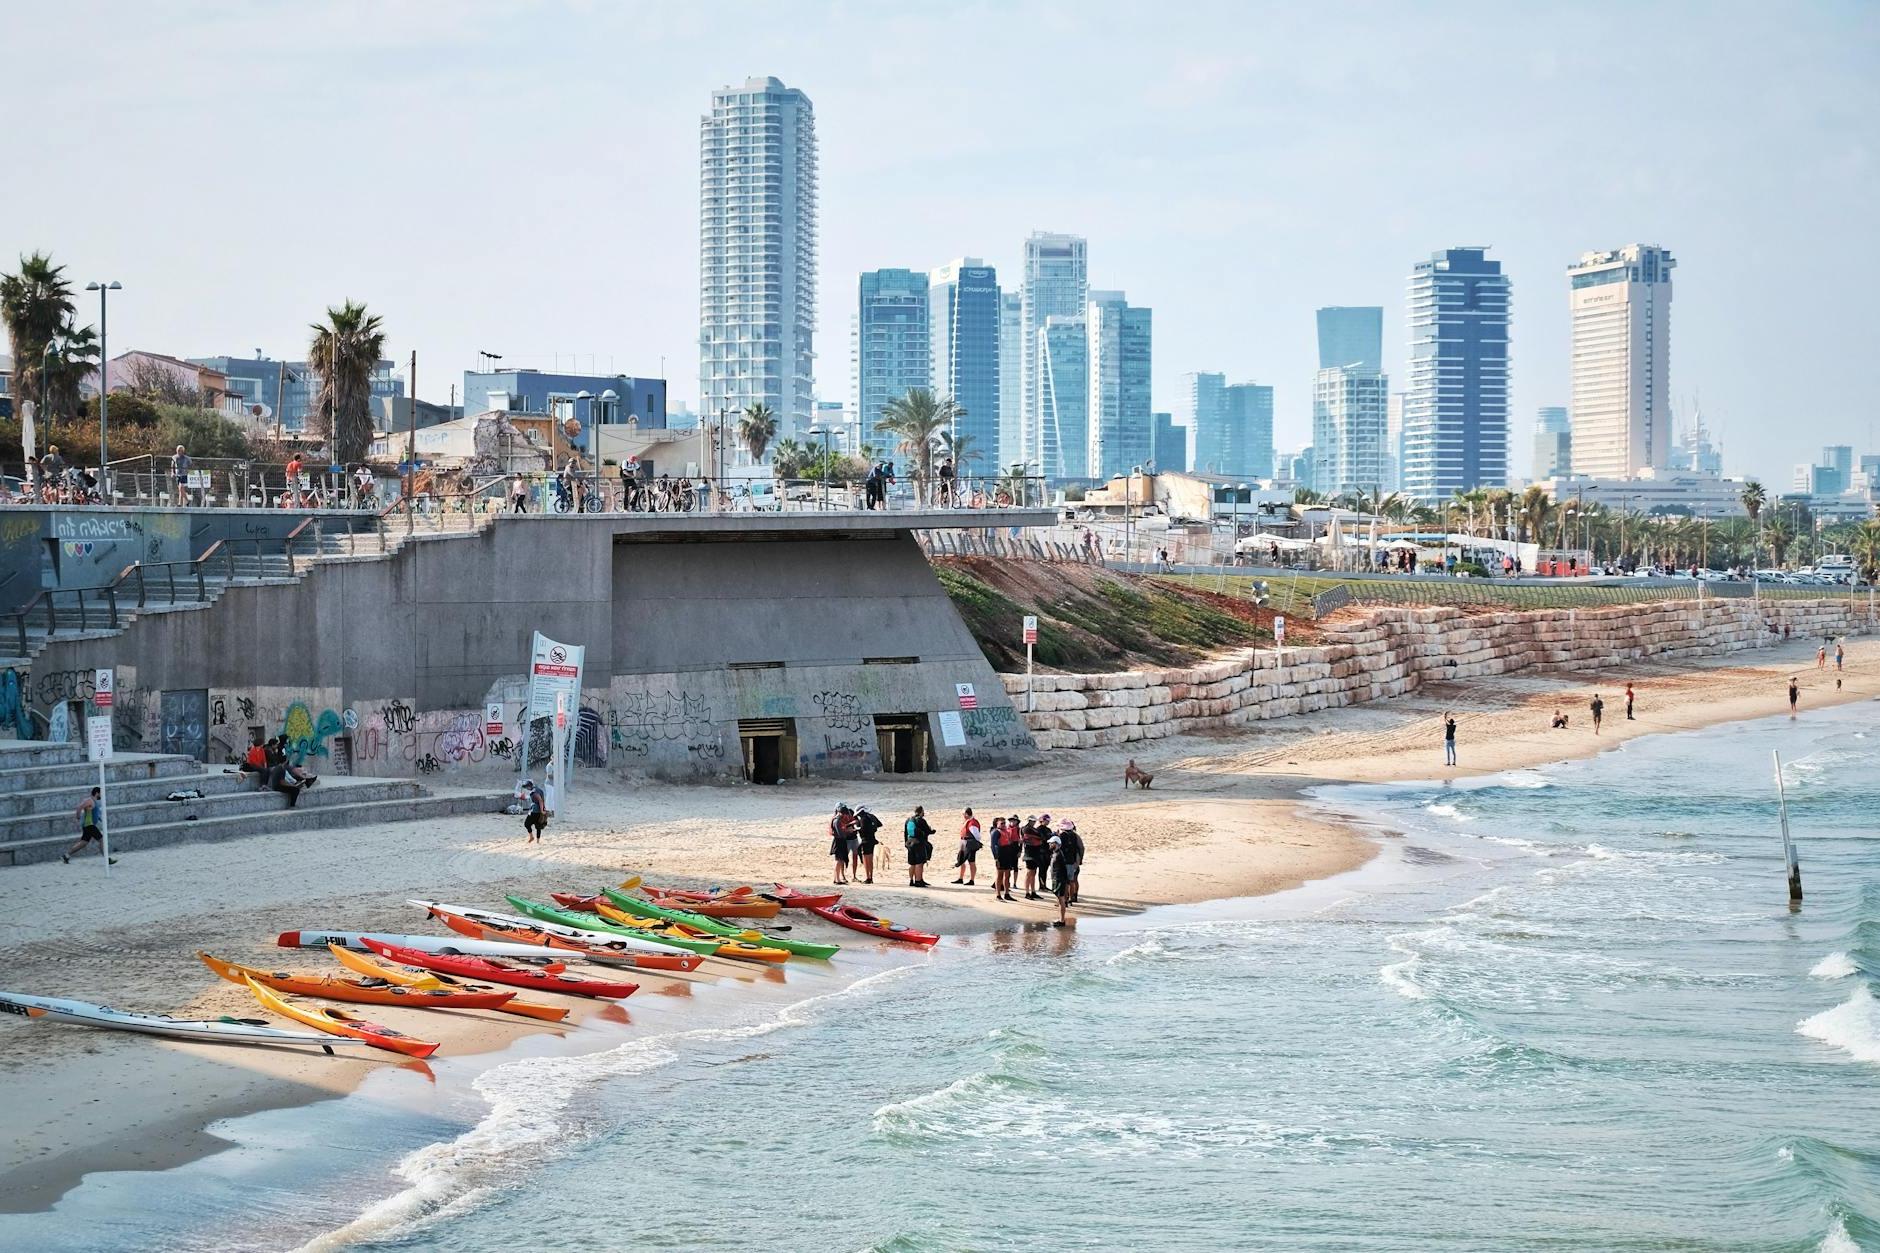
[(858, 919), (480, 968), (598, 950), (791, 898), (577, 902)]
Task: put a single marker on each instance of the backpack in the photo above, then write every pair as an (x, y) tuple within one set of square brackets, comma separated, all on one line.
[(1070, 848)]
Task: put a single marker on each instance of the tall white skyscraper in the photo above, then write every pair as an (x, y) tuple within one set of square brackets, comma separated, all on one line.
[(1056, 283), (1011, 379), (1122, 422), (1621, 307), (1350, 430), (1456, 412), (757, 251)]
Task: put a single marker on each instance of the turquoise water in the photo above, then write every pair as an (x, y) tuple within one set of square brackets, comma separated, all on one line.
[(1566, 1008)]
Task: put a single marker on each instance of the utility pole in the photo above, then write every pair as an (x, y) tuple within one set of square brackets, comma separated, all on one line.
[(411, 441)]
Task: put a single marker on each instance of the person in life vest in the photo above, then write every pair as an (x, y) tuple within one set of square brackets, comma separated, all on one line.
[(1035, 832), (917, 835), (842, 840), (1067, 859), (867, 827), (971, 841)]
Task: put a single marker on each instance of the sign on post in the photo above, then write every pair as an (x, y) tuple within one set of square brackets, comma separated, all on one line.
[(1031, 629), (98, 741), (554, 689), (967, 699), (102, 687), (1279, 631), (1031, 637), (493, 718)]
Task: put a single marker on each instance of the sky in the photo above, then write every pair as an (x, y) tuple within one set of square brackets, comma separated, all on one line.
[(523, 178)]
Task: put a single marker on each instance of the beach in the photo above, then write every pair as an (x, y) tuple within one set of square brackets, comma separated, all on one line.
[(1229, 815)]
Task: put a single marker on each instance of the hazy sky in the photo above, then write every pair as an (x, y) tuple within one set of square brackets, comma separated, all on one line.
[(524, 178)]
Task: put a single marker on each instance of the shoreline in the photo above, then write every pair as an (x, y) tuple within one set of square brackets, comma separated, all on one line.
[(1229, 816)]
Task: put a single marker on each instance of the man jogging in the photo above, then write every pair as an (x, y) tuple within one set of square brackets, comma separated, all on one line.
[(90, 814), (534, 811)]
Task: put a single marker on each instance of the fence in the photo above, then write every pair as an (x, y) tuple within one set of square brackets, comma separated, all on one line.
[(1505, 595)]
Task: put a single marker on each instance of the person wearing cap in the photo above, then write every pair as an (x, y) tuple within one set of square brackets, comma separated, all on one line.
[(1006, 842), (1036, 832), (535, 811), (967, 863), (866, 826), (842, 832), (1067, 858)]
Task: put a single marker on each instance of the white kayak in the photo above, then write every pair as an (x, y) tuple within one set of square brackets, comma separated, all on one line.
[(593, 939), (212, 1030), (452, 945)]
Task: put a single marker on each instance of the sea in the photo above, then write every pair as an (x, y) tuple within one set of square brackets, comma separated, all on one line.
[(1565, 1008)]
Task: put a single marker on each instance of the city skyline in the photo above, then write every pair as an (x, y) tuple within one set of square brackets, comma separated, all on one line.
[(1232, 265)]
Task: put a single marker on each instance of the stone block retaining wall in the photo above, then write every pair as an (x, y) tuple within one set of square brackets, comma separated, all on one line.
[(1386, 651)]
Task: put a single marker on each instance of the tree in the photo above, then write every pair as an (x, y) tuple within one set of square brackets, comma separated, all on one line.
[(1306, 496), (345, 351), (1532, 513), (787, 458), (74, 359), (36, 302), (1753, 498), (757, 427), (1777, 537), (917, 419), (958, 449), (153, 382), (1864, 547)]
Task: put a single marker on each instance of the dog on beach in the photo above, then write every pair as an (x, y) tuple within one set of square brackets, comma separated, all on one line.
[(1134, 774)]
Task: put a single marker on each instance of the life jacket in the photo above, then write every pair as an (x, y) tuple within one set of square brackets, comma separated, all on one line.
[(257, 756)]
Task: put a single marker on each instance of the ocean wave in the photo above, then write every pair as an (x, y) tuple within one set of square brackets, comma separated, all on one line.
[(528, 1100), (1837, 1240), (1835, 965), (1400, 977), (1852, 1026), (1445, 810)]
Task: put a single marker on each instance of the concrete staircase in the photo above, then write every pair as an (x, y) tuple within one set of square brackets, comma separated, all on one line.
[(41, 785), (163, 593)]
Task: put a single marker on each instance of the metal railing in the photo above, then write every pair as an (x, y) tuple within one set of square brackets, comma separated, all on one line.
[(544, 492)]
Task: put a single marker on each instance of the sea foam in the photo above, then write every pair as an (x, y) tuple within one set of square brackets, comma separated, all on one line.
[(1853, 1026), (1834, 966)]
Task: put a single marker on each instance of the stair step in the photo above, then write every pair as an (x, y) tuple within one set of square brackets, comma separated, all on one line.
[(63, 796), (67, 768), (303, 818), (28, 754), (129, 816)]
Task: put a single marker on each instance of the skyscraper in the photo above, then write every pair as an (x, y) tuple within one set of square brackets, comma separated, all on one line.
[(1056, 284), (1620, 302), (1064, 385), (1203, 409), (1248, 452), (1553, 443), (893, 353), (1171, 444), (757, 251), (1011, 379), (1456, 410), (1122, 433), (1351, 335), (964, 306), (1393, 440), (1350, 425)]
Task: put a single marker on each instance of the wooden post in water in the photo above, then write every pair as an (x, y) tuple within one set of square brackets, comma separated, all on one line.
[(1788, 845)]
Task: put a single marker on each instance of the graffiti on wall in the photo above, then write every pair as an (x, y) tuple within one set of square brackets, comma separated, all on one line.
[(842, 710), (668, 715)]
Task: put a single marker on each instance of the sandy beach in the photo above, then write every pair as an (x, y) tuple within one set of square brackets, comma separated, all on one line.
[(1225, 818)]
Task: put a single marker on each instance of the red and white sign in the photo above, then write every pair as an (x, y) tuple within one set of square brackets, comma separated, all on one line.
[(967, 699), (493, 719), (1279, 631), (102, 683), (561, 711), (1031, 629)]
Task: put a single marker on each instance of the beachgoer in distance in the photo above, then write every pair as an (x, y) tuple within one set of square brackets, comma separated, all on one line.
[(256, 763), (1821, 657), (971, 841), (1031, 845), (1560, 719), (1599, 712), (842, 841), (1449, 739), (1840, 655), (866, 827), (917, 835), (1795, 694), (1005, 853), (1067, 859), (179, 473), (518, 494), (1628, 702), (534, 811), (90, 816)]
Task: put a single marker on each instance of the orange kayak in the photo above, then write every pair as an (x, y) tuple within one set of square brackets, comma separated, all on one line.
[(713, 906), (363, 991), (339, 1022), (599, 950), (411, 979)]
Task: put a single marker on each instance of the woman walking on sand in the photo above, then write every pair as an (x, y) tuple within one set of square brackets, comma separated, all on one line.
[(917, 835)]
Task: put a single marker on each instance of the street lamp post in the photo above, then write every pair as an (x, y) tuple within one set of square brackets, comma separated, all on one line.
[(104, 291), (824, 432)]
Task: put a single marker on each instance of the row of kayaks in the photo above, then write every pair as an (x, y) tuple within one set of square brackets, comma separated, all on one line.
[(490, 961)]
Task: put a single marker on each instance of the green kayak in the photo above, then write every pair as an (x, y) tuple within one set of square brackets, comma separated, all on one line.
[(593, 922), (640, 908)]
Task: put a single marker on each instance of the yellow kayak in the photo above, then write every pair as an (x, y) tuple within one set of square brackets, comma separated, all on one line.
[(737, 949)]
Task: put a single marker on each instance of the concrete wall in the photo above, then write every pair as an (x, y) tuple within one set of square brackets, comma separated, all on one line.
[(1374, 654), (384, 665)]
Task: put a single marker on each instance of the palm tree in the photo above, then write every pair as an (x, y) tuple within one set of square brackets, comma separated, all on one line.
[(1753, 498), (1532, 513), (1306, 496), (1865, 549), (958, 449), (757, 427), (1777, 537), (73, 360), (345, 352), (787, 457), (917, 419), (36, 303)]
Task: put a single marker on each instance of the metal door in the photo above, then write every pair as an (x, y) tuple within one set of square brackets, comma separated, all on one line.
[(185, 723)]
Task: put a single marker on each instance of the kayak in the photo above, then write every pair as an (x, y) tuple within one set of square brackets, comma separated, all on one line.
[(339, 1022), (738, 902), (413, 979), (223, 1030), (680, 933), (575, 901), (589, 945), (712, 926), (479, 968), (608, 950), (790, 898), (373, 991), (448, 945), (857, 919), (669, 936)]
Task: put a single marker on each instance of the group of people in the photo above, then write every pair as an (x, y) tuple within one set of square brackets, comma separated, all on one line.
[(268, 762), (52, 480), (1051, 855), (875, 486)]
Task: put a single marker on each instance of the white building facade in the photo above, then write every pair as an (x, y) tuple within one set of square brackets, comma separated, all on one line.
[(1056, 283), (1350, 430), (1620, 302)]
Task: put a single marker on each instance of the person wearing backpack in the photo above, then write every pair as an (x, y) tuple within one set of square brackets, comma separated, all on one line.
[(866, 826), (1067, 858), (535, 811), (842, 833), (1037, 855), (967, 863), (917, 834)]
